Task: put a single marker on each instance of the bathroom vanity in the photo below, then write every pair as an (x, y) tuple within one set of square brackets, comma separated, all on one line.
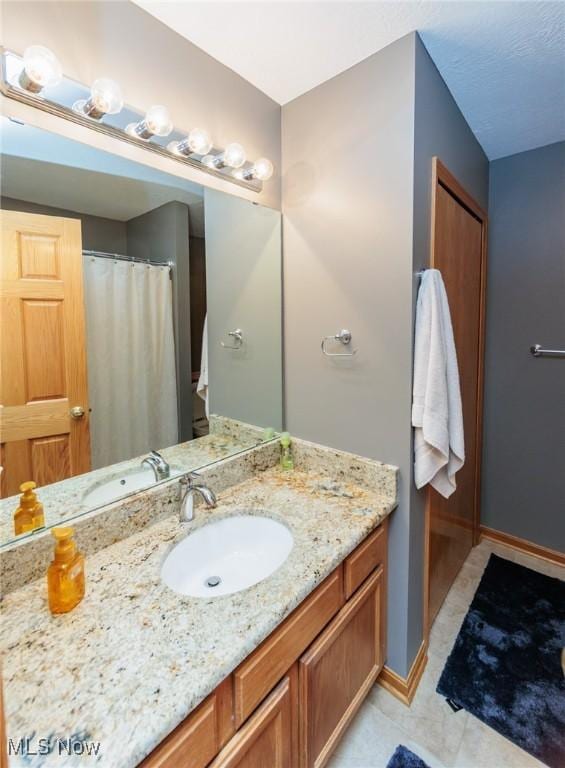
[(270, 675), (291, 699), (144, 298)]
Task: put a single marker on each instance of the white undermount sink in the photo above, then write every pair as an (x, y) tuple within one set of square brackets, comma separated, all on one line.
[(227, 556), (121, 484)]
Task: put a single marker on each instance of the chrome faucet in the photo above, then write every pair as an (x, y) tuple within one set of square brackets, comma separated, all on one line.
[(189, 486), (159, 466)]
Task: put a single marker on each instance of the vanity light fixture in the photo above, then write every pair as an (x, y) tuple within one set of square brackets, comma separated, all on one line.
[(262, 169), (105, 99), (233, 156), (23, 79), (41, 69), (198, 142), (157, 122)]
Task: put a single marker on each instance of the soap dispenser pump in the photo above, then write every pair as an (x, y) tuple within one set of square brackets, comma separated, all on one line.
[(65, 575), (286, 455), (29, 515)]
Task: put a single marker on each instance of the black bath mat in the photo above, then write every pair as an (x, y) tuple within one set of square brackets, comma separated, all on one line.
[(404, 758), (505, 666)]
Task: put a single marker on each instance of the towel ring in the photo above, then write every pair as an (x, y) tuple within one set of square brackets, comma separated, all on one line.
[(237, 336), (344, 336)]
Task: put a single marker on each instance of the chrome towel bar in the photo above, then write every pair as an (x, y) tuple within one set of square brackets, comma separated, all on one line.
[(538, 351), (344, 336)]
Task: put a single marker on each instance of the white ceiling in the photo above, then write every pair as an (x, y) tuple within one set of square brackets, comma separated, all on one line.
[(504, 62)]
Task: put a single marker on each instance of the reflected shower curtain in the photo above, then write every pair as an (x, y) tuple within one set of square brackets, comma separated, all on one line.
[(131, 359)]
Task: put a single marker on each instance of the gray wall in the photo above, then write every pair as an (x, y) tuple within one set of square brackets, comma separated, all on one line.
[(357, 156), (347, 204), (524, 449), (439, 130), (154, 65), (98, 234), (244, 290), (163, 235)]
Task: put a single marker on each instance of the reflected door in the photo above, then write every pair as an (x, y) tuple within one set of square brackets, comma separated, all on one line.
[(44, 423), (458, 252)]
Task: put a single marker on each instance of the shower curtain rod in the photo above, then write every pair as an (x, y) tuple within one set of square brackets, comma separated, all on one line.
[(121, 257)]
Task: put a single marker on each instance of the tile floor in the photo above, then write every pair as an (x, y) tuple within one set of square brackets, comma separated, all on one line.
[(428, 727)]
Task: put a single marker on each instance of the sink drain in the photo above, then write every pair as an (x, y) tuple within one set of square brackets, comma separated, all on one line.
[(213, 581)]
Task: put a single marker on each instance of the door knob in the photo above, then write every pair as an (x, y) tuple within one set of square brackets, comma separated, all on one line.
[(77, 412)]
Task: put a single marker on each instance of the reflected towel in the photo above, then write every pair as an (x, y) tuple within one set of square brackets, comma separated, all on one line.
[(202, 386), (437, 415)]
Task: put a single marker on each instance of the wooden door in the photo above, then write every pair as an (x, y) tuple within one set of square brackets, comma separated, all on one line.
[(458, 251), (43, 351), (268, 739), (338, 670)]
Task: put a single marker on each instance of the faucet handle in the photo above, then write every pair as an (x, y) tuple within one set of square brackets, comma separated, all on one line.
[(188, 478)]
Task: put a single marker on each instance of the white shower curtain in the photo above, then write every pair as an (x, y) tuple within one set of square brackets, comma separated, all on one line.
[(131, 359)]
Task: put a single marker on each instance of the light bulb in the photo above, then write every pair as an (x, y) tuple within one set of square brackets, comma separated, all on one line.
[(233, 156), (105, 99), (262, 169), (198, 142), (41, 69), (210, 161), (106, 96), (157, 122)]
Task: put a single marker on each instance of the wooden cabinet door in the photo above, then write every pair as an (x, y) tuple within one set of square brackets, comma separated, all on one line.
[(43, 351), (338, 670), (268, 739), (258, 674), (201, 736)]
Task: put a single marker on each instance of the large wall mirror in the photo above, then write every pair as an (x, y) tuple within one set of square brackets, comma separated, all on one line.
[(140, 312)]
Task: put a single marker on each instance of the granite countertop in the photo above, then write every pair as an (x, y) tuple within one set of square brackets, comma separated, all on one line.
[(134, 658)]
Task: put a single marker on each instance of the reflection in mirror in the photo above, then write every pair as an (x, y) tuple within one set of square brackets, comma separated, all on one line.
[(141, 326)]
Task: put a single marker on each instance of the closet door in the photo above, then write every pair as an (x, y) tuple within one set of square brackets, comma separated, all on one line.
[(459, 252), (44, 426)]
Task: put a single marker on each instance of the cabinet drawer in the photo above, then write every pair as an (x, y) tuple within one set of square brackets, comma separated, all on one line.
[(368, 555), (198, 738), (264, 668), (338, 670)]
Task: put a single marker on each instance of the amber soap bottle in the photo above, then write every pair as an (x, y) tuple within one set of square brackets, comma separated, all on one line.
[(65, 575), (29, 515)]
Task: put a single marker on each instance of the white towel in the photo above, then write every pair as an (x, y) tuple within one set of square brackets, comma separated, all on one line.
[(437, 414), (202, 386)]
